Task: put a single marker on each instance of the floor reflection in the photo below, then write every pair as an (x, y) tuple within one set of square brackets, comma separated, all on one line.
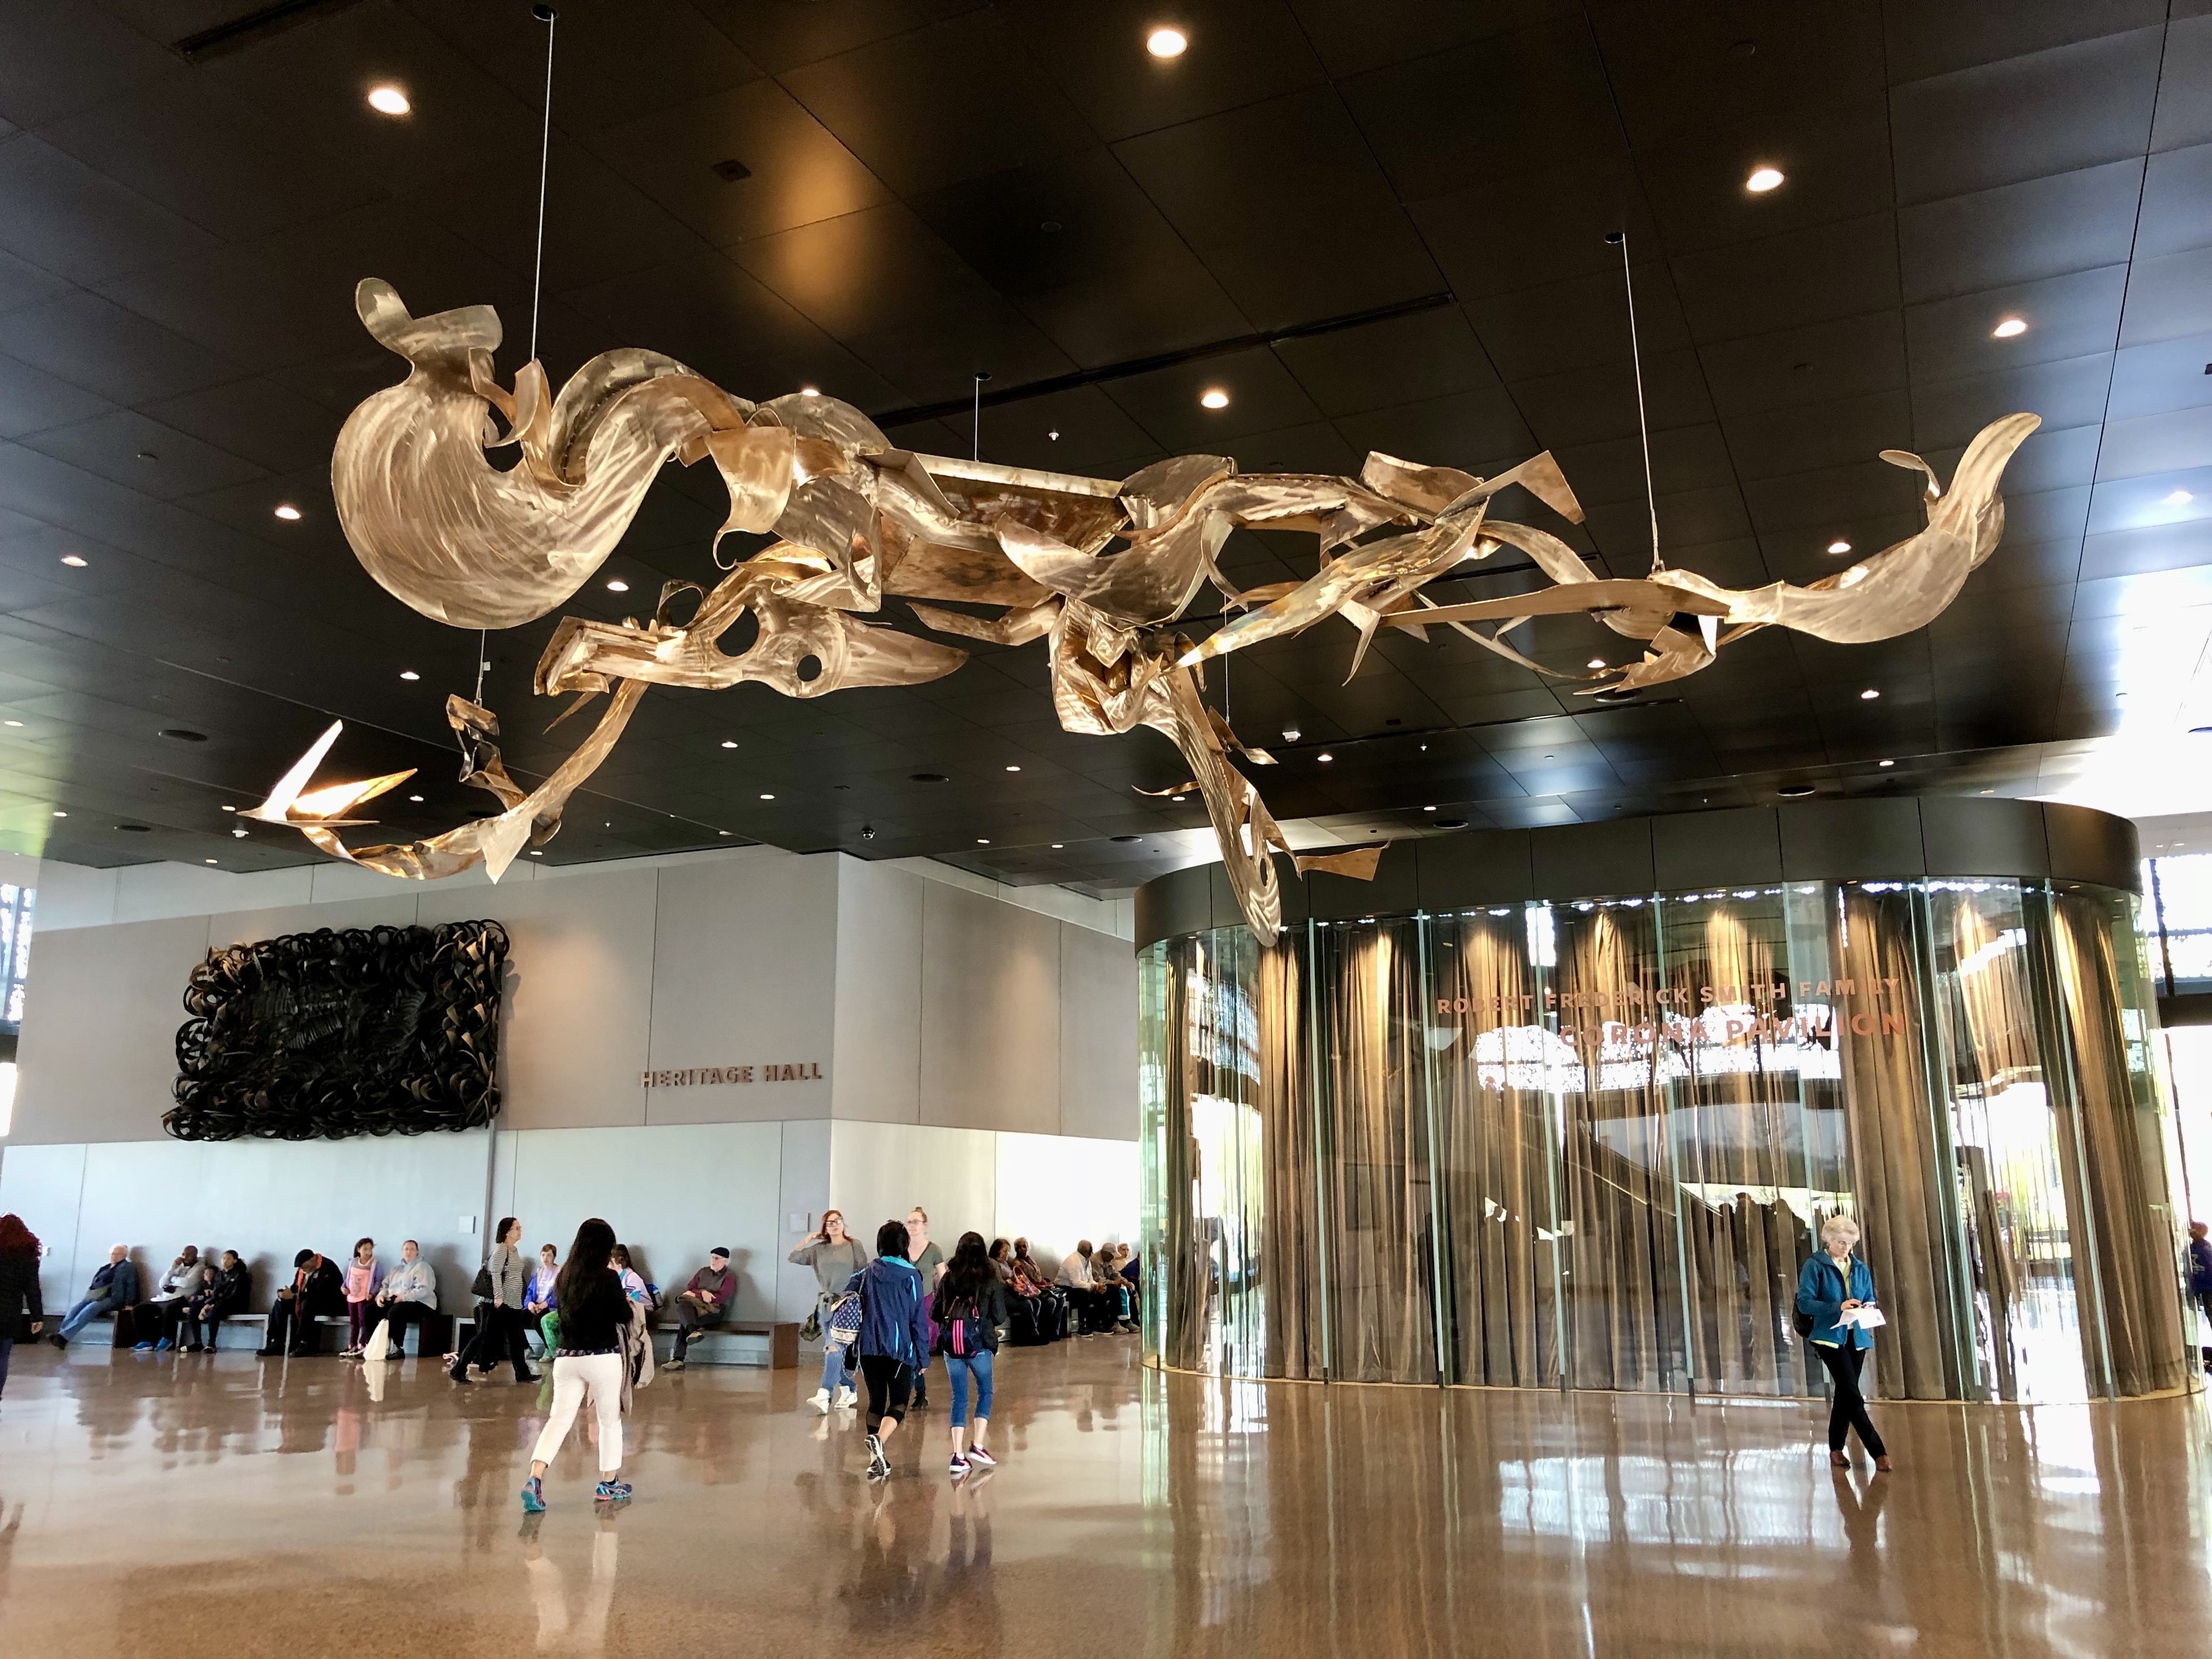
[(1134, 1515)]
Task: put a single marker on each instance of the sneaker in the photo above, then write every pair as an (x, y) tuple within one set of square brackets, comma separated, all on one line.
[(269, 1353), (957, 1466), (195, 1348), (147, 1347), (350, 1353), (58, 1339), (610, 1492), (164, 1343), (673, 1365), (820, 1400), (847, 1397), (981, 1458), (533, 1496), (879, 1465)]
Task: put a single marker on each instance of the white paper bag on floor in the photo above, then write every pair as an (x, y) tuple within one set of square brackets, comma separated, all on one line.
[(380, 1343)]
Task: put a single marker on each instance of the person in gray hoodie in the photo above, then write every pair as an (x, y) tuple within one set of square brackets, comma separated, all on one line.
[(408, 1296), (836, 1255), (113, 1288)]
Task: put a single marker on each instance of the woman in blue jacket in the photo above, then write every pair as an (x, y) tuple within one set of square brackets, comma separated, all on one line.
[(894, 1340), (1828, 1284)]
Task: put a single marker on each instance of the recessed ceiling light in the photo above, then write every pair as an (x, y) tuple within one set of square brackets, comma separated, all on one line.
[(1594, 662), (2177, 498), (1290, 735), (409, 674), (535, 854), (1762, 180), (722, 832), (240, 832), (1178, 797), (388, 100), (1451, 823), (1888, 762), (76, 561), (1214, 397), (413, 798), (618, 586), (1989, 792), (982, 840), (287, 512), (2011, 328), (59, 813), (15, 722), (1795, 792), (1428, 809), (1013, 769), (1057, 845), (1839, 545), (809, 391), (768, 797), (1166, 43), (1868, 694), (727, 743), (1326, 757)]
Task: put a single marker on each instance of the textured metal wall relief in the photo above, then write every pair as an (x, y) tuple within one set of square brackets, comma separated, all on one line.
[(321, 1035), (856, 520)]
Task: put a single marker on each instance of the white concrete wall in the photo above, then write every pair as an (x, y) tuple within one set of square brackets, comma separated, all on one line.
[(979, 1058)]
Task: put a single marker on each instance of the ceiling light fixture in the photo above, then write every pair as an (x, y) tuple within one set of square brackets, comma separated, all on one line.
[(417, 799), (2177, 498), (768, 797), (16, 723), (535, 854), (409, 674), (1214, 397), (1887, 763), (287, 512), (982, 840), (1868, 694), (1762, 180), (2011, 329), (240, 832), (1166, 43), (1594, 662), (1795, 791), (388, 100), (1326, 757), (1839, 545), (1290, 735), (728, 743), (208, 860), (809, 391), (618, 586), (59, 813), (1013, 769), (1428, 809), (1057, 845), (75, 561)]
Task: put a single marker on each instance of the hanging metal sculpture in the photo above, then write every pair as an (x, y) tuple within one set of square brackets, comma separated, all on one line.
[(856, 518)]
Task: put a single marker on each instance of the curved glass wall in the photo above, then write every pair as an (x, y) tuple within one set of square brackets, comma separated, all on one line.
[(1588, 1144)]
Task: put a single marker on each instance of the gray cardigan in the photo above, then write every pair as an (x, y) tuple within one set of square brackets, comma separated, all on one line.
[(833, 1264), (510, 1274)]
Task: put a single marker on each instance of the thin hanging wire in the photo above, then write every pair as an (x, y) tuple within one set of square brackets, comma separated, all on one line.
[(975, 439), (1643, 424), (549, 16)]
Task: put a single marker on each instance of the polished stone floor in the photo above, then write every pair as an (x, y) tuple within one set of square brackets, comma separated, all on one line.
[(178, 1507)]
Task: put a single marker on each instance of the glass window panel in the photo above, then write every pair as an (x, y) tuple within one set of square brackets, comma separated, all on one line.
[(1371, 1049), (1495, 1135)]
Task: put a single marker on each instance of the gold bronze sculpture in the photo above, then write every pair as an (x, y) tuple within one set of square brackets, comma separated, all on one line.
[(856, 518)]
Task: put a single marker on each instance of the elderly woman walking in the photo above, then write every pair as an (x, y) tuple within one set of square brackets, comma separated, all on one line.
[(1834, 1290)]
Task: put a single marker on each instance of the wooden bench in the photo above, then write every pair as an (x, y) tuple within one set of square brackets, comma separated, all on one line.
[(781, 1336)]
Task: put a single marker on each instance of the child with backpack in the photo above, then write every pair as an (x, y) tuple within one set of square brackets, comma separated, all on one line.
[(970, 1307)]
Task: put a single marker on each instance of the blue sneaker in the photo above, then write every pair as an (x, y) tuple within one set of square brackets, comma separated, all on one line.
[(146, 1347), (164, 1343), (533, 1496), (611, 1491)]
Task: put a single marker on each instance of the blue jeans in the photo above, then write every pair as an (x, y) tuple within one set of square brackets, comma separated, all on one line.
[(960, 1368), (85, 1312), (6, 1347), (833, 1370)]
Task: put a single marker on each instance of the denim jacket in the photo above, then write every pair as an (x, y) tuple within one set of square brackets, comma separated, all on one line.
[(1821, 1296)]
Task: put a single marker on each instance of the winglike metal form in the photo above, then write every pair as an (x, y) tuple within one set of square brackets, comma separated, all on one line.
[(855, 519)]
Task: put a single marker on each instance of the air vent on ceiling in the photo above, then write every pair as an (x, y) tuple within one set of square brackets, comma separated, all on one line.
[(731, 170), (1796, 792), (254, 24), (136, 828), (928, 777), (182, 734)]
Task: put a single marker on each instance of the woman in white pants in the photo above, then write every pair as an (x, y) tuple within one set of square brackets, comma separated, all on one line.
[(594, 1310)]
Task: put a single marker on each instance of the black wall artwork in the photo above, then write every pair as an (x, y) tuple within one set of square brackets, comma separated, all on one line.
[(323, 1036)]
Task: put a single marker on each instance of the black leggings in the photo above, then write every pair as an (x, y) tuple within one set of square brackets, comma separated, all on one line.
[(1847, 1406), (888, 1383)]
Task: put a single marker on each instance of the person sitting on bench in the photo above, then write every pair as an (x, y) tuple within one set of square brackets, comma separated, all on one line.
[(705, 1301), (225, 1291), (158, 1318), (1095, 1307), (408, 1297), (316, 1287), (113, 1288)]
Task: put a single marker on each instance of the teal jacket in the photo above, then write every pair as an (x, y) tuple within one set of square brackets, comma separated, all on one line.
[(1820, 1294)]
